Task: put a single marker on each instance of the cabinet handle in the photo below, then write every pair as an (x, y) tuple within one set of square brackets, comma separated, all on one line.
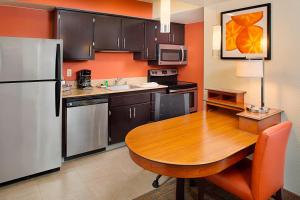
[(129, 113), (124, 42), (90, 50), (170, 38), (118, 42), (173, 38), (147, 52), (133, 112)]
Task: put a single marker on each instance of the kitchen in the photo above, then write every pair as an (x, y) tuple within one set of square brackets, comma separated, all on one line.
[(149, 99), (124, 62)]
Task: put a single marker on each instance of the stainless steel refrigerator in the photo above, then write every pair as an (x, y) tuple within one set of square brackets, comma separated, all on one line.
[(30, 111)]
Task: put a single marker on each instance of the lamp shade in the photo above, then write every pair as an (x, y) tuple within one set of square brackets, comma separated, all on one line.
[(250, 68)]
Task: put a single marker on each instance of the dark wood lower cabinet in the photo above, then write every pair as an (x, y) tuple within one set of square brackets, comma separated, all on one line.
[(125, 118), (127, 111), (119, 123), (141, 114)]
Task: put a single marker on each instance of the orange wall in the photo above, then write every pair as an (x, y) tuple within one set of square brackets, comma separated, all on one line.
[(122, 7), (26, 22), (194, 41)]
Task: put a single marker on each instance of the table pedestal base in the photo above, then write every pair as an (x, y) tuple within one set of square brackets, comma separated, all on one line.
[(180, 189)]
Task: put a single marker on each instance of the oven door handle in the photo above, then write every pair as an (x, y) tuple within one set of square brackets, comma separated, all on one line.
[(183, 90)]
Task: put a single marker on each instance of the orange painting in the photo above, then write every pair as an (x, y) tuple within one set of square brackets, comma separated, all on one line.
[(244, 32)]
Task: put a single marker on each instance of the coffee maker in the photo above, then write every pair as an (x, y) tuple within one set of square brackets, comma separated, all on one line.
[(84, 79)]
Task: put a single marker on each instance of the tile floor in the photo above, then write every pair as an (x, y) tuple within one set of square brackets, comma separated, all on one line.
[(106, 176)]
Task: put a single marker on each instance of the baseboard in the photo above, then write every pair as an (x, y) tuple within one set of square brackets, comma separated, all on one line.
[(287, 195)]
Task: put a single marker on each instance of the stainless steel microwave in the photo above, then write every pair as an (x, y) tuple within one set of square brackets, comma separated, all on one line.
[(169, 54)]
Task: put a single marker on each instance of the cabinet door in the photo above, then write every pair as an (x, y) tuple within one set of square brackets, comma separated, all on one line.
[(119, 123), (162, 38), (177, 34), (140, 114), (108, 32), (133, 34), (150, 40), (149, 52), (77, 31)]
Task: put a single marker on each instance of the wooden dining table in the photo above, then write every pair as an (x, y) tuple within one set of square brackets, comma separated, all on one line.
[(190, 146)]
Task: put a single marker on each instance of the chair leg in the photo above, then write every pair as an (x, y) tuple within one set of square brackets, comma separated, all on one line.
[(278, 195), (155, 183)]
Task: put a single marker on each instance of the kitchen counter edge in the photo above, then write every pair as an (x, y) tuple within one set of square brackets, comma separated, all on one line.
[(102, 91)]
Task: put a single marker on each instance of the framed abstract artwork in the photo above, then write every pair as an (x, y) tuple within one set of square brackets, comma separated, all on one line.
[(246, 32)]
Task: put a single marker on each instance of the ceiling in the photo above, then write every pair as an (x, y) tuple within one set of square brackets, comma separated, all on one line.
[(182, 11)]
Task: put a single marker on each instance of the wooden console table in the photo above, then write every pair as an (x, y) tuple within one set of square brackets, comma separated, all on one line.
[(224, 98), (257, 122)]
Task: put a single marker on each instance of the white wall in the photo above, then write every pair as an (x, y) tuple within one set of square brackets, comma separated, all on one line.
[(282, 72)]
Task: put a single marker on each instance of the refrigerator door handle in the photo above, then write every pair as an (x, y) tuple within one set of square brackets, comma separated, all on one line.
[(58, 63), (57, 97)]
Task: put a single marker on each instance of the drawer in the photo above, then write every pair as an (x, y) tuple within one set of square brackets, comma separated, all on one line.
[(129, 99)]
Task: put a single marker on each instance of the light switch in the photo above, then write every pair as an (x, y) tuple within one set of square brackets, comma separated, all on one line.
[(69, 72)]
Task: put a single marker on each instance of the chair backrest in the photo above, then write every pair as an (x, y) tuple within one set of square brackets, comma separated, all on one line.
[(268, 161), (170, 105)]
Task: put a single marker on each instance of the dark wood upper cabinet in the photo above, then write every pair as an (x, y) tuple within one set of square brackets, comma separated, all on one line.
[(120, 34), (133, 33), (76, 29), (108, 32), (162, 38), (177, 33), (149, 52), (83, 33)]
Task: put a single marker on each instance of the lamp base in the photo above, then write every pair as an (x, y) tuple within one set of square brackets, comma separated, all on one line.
[(256, 109)]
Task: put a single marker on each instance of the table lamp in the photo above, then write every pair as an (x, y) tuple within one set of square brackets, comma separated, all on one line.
[(253, 68)]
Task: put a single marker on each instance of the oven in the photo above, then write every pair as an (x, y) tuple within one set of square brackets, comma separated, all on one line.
[(193, 97), (169, 54), (169, 77)]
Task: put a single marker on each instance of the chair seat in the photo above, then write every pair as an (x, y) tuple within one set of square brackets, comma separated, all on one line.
[(236, 179)]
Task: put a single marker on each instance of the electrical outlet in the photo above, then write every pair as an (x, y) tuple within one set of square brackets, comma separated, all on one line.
[(69, 72)]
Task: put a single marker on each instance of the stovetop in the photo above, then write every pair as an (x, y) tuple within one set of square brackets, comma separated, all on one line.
[(179, 85), (169, 77)]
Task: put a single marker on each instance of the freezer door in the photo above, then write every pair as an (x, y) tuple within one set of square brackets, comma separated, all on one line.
[(23, 59), (30, 132)]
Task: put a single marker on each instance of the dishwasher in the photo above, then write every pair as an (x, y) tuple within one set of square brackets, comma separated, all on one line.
[(87, 126)]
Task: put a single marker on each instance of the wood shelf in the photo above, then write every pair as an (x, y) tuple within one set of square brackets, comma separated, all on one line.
[(226, 99)]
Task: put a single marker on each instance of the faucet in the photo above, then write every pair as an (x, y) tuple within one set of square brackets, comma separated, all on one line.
[(117, 81)]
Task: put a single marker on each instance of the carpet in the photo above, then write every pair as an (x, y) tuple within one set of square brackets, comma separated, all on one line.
[(167, 192)]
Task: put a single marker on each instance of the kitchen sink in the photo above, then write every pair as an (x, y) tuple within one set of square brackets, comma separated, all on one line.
[(122, 87)]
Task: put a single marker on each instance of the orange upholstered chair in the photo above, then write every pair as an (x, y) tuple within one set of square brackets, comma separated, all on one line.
[(264, 176)]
